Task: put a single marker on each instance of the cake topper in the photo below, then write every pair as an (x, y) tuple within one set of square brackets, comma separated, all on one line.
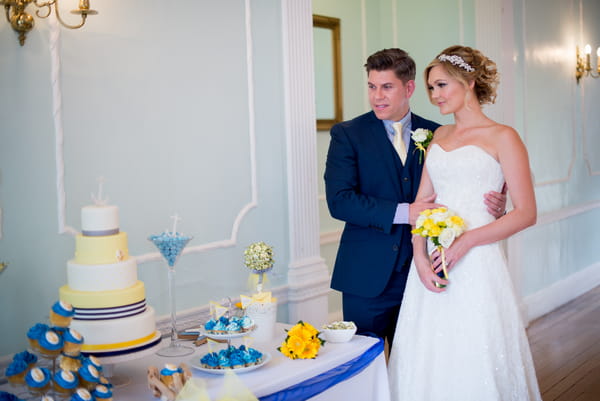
[(98, 201)]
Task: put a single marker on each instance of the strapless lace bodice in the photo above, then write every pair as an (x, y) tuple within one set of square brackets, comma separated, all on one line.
[(460, 179)]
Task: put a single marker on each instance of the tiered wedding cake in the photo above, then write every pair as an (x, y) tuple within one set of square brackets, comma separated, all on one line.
[(102, 285)]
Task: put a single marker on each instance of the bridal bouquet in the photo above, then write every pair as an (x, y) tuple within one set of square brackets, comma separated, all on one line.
[(302, 342), (442, 227)]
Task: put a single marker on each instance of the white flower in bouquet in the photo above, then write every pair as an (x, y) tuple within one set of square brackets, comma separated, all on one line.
[(447, 237)]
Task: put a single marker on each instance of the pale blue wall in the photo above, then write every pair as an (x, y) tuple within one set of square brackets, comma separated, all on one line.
[(155, 100)]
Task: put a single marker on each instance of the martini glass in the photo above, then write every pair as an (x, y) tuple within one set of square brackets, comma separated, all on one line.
[(170, 245)]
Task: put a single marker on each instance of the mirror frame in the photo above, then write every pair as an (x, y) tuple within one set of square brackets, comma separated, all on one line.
[(332, 23)]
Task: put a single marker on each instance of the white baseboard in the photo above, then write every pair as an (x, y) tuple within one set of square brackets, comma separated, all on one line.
[(561, 292)]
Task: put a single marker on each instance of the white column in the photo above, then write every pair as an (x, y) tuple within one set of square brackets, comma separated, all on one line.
[(308, 276)]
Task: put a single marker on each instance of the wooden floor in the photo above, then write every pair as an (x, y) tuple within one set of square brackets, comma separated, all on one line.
[(566, 349)]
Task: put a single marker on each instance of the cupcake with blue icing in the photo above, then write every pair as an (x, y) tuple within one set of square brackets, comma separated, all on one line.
[(16, 371), (170, 374), (65, 382), (35, 333), (27, 357), (102, 393), (210, 361), (51, 343), (61, 314), (38, 380), (81, 394), (92, 360), (73, 342), (89, 376)]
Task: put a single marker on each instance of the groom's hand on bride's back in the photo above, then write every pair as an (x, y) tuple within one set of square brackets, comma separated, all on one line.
[(496, 202), (415, 208)]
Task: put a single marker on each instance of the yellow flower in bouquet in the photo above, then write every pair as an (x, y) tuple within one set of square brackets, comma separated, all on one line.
[(302, 342), (442, 227)]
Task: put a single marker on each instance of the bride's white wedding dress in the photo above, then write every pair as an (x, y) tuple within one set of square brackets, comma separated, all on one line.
[(467, 343)]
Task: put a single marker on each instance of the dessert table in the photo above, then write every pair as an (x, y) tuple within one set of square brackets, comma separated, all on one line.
[(353, 370)]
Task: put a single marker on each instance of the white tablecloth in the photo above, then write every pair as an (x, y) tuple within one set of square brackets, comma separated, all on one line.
[(278, 374)]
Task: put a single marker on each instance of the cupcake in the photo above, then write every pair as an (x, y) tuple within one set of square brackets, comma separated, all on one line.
[(102, 393), (61, 314), (4, 396), (81, 394), (92, 360), (16, 371), (73, 342), (27, 357), (104, 381), (35, 333), (38, 380), (69, 363), (89, 376), (170, 374), (50, 344), (65, 382)]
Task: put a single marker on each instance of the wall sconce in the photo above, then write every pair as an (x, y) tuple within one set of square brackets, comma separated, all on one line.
[(22, 22), (584, 67)]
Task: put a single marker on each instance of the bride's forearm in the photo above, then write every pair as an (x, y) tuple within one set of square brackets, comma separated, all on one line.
[(514, 221)]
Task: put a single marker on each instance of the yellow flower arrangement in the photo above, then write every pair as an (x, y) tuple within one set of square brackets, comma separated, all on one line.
[(302, 342), (442, 227)]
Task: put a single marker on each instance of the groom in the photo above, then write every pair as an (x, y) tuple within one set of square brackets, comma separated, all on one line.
[(369, 187)]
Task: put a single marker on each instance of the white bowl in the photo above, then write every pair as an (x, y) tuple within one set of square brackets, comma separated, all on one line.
[(338, 335)]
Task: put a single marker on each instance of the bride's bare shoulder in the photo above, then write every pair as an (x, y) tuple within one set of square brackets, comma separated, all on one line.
[(442, 132)]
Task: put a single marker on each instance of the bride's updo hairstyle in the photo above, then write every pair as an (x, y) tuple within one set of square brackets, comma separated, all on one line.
[(467, 64)]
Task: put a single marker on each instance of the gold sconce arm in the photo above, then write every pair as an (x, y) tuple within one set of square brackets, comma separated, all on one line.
[(22, 22), (583, 67)]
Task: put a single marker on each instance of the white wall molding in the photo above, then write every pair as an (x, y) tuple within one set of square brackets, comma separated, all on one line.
[(64, 228), (561, 292), (306, 269)]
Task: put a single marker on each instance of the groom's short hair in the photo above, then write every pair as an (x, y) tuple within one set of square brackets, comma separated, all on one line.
[(394, 59)]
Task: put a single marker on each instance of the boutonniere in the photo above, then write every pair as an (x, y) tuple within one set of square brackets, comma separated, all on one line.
[(422, 137)]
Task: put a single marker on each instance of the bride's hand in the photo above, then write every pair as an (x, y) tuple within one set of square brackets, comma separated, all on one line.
[(427, 276), (452, 255)]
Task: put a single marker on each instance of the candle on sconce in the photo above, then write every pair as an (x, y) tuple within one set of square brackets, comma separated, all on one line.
[(588, 51), (598, 60)]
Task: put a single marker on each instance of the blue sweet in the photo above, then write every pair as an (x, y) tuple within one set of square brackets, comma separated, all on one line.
[(102, 392), (210, 360), (65, 379), (37, 378), (26, 357), (36, 331), (170, 245), (81, 394), (63, 309), (170, 369), (89, 373)]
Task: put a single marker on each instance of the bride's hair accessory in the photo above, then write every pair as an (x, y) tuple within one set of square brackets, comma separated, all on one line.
[(457, 61)]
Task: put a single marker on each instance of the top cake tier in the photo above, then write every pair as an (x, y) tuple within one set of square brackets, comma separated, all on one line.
[(99, 220)]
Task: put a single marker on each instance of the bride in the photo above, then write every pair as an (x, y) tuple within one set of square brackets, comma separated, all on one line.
[(466, 341)]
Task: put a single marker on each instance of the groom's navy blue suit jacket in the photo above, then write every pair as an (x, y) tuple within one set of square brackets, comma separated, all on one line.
[(365, 181)]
